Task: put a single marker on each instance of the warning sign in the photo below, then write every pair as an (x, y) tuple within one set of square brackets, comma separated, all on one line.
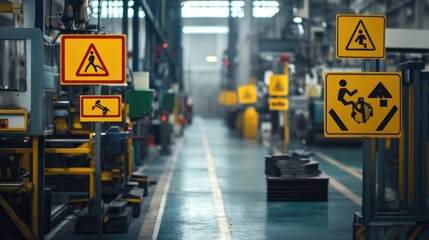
[(361, 36), (101, 108), (92, 64), (363, 104), (247, 94), (92, 59), (278, 85), (278, 104)]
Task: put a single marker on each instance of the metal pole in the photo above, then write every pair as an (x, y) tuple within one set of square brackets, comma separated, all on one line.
[(136, 36), (367, 179), (98, 206), (286, 114), (125, 17), (39, 8)]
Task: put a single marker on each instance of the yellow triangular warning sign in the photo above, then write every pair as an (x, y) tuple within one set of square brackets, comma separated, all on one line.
[(92, 64), (360, 39), (247, 94), (278, 86)]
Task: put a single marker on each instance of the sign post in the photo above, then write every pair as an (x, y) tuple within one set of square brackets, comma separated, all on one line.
[(95, 60)]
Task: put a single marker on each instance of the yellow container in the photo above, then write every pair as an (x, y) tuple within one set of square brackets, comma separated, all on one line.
[(250, 123)]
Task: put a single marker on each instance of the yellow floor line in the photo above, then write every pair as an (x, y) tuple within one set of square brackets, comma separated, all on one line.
[(339, 165)]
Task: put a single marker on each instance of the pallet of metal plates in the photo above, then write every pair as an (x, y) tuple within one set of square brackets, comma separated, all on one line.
[(295, 167), (118, 217), (85, 222), (134, 199), (297, 188), (297, 178), (271, 164)]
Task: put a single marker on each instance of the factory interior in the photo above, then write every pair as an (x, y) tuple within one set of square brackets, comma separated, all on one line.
[(214, 119)]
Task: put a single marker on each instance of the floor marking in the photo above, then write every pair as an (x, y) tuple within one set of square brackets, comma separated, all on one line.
[(339, 165), (57, 228), (224, 232), (152, 222), (344, 190)]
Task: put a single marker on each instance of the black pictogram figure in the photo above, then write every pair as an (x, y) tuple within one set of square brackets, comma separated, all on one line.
[(343, 91), (247, 94), (91, 60), (380, 91), (361, 39), (362, 112), (278, 86), (103, 108)]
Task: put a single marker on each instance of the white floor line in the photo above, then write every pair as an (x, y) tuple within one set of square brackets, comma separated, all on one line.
[(339, 165), (164, 195), (222, 220)]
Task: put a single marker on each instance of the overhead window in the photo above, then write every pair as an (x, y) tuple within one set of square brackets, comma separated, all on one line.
[(220, 9), (112, 9)]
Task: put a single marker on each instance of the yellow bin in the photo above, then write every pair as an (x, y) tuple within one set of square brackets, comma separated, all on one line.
[(250, 123)]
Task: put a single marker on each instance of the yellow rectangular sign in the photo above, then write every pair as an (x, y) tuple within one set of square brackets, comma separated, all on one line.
[(230, 98), (222, 98), (363, 104), (278, 104), (92, 59), (247, 94), (279, 85), (100, 108), (361, 36)]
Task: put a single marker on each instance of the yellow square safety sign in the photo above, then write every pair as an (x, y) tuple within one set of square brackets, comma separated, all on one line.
[(363, 104)]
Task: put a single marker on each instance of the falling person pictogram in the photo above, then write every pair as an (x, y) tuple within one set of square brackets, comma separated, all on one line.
[(361, 38)]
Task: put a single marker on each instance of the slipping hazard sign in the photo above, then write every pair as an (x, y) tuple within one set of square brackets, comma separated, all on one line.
[(92, 59), (100, 108), (247, 94), (278, 85), (361, 36), (363, 104)]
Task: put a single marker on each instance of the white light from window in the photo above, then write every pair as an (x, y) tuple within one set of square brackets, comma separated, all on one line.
[(212, 9), (211, 59), (220, 9), (112, 9), (205, 29), (266, 4), (297, 20), (262, 12)]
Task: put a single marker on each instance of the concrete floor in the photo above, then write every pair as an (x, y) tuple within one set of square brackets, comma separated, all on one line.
[(214, 188)]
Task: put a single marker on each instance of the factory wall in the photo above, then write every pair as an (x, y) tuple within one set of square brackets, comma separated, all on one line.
[(202, 78)]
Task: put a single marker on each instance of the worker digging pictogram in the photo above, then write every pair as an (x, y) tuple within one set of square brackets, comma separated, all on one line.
[(367, 103), (101, 107), (360, 39), (92, 64)]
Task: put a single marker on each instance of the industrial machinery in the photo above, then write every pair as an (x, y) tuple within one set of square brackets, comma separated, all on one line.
[(26, 116)]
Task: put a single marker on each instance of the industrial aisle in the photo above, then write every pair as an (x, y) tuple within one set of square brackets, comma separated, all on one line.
[(217, 190)]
